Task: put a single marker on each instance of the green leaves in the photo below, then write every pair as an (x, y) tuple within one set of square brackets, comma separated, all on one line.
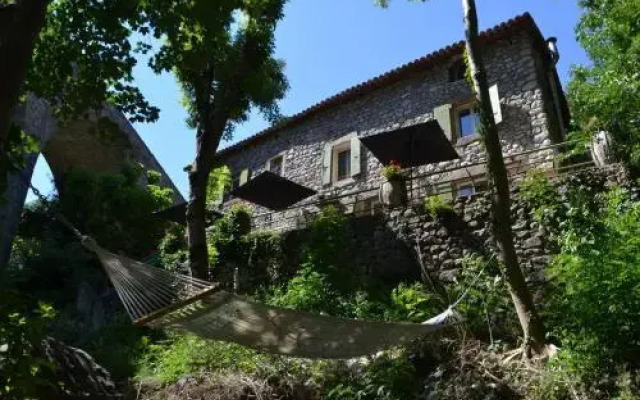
[(22, 328), (221, 52), (606, 96), (84, 58)]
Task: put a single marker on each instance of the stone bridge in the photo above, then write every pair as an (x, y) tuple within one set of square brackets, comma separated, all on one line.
[(76, 144)]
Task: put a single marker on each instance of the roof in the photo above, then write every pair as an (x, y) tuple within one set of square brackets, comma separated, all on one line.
[(507, 28)]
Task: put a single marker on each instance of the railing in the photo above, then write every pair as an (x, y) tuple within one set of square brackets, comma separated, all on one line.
[(365, 201)]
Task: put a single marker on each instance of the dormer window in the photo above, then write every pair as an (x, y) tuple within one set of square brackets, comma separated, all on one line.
[(457, 71)]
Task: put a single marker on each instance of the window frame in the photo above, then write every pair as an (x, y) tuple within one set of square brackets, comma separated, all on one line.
[(281, 155), (474, 184), (461, 108), (344, 145)]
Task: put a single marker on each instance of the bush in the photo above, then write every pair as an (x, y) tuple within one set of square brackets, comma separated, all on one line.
[(22, 364), (437, 206), (181, 355), (390, 376), (596, 298)]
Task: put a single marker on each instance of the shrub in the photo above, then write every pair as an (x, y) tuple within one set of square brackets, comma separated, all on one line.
[(390, 376), (596, 296), (187, 354), (22, 329), (393, 171), (437, 206)]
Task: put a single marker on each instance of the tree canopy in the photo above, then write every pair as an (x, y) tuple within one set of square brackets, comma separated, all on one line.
[(222, 54), (606, 95)]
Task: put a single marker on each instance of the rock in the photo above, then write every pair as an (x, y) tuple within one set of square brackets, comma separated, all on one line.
[(532, 242), (448, 275), (80, 375)]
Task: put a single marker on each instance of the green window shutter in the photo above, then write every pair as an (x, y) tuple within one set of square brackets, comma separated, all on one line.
[(355, 156), (494, 95), (442, 114), (326, 164), (445, 191), (244, 176)]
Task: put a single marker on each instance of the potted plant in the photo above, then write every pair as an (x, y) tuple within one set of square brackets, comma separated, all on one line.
[(393, 191)]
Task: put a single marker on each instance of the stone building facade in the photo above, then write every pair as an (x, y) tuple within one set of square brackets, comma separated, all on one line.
[(320, 147)]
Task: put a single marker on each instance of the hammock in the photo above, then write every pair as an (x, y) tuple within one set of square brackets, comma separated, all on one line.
[(158, 298)]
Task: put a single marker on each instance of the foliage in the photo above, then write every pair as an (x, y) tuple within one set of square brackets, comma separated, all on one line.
[(173, 247), (22, 329), (114, 209), (186, 354), (389, 376), (14, 155), (84, 58), (606, 95), (486, 307), (219, 182), (437, 206), (412, 303), (227, 241), (569, 211), (596, 296), (221, 53), (393, 171), (324, 279)]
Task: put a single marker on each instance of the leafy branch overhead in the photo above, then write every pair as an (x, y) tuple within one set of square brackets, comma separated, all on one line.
[(85, 56)]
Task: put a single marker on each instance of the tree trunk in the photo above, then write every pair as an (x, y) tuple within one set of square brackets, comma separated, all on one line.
[(532, 326), (20, 25), (207, 142)]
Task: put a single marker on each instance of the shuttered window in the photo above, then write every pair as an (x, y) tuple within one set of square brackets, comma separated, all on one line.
[(341, 160)]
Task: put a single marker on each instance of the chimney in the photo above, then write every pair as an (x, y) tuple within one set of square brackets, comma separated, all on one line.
[(553, 49)]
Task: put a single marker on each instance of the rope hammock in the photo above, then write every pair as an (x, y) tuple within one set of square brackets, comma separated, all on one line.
[(161, 299)]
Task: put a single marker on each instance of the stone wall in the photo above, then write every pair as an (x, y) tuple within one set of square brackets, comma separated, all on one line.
[(445, 241), (513, 63), (384, 246)]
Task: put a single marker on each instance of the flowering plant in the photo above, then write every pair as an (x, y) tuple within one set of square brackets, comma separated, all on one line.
[(393, 171)]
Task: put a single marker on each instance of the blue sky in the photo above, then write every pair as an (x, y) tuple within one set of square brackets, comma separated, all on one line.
[(331, 45)]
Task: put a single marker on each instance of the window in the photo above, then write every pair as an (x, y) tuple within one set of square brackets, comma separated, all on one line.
[(457, 71), (276, 165), (468, 122), (468, 189), (341, 160), (344, 164)]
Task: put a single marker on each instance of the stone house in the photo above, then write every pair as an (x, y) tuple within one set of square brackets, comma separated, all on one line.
[(320, 148)]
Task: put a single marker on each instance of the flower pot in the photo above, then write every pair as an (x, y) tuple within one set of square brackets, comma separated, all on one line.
[(393, 193)]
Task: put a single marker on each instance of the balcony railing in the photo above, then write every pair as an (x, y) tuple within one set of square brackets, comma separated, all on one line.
[(365, 201)]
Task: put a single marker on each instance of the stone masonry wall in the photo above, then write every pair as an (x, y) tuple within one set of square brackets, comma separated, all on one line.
[(512, 63), (444, 242)]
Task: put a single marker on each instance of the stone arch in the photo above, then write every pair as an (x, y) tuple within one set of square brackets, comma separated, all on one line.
[(75, 144)]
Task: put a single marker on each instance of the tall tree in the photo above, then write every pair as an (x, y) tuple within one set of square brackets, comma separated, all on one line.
[(221, 51), (606, 95), (530, 321)]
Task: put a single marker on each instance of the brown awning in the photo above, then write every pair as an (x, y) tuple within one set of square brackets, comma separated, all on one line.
[(272, 191), (411, 146)]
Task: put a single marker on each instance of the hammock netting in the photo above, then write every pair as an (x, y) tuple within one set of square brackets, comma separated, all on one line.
[(161, 299)]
